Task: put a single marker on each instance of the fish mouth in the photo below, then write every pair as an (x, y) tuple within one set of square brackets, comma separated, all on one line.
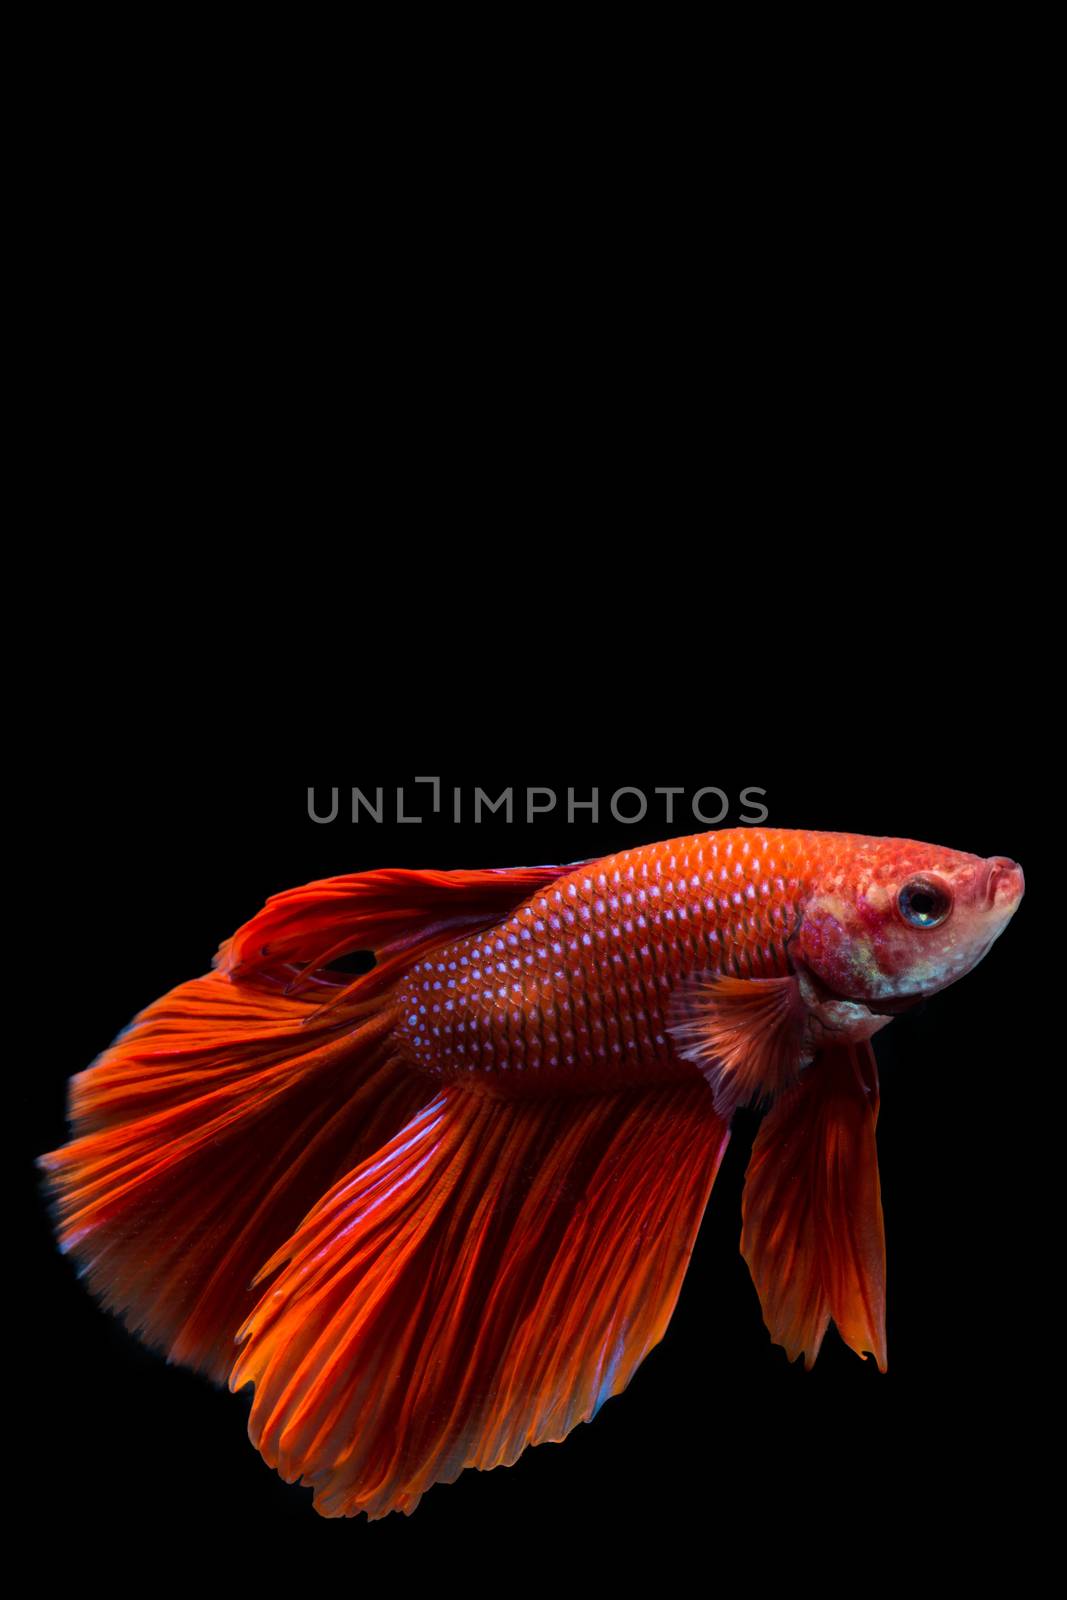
[(1004, 883)]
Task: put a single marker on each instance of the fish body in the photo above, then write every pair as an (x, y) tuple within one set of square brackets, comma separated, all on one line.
[(577, 990), (573, 991), (465, 1186)]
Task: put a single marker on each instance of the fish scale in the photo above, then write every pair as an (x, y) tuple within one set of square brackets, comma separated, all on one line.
[(573, 990)]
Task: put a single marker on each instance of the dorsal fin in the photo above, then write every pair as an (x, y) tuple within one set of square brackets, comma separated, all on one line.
[(395, 912)]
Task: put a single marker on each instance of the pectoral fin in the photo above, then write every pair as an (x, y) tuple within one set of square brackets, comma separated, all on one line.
[(747, 1035)]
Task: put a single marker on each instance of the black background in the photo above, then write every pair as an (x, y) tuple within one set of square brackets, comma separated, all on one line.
[(156, 859), (699, 490)]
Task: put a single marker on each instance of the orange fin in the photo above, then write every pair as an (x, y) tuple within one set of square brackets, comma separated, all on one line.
[(482, 1283), (813, 1235), (222, 1114), (201, 1137), (396, 912), (747, 1036)]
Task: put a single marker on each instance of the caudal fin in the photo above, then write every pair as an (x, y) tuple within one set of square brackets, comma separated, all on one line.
[(202, 1136), (481, 1283), (216, 1121)]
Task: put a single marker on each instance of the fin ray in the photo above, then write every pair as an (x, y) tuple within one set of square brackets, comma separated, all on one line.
[(813, 1234), (747, 1035), (201, 1137), (397, 912), (483, 1283), (217, 1119)]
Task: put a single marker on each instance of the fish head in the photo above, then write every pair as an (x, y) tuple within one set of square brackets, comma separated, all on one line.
[(891, 921)]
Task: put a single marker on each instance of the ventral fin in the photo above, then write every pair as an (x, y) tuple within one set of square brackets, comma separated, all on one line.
[(747, 1035), (813, 1235)]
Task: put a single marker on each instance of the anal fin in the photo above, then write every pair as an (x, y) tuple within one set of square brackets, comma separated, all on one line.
[(482, 1283)]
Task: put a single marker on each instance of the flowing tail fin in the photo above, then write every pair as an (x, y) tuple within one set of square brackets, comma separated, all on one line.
[(481, 1283), (210, 1128)]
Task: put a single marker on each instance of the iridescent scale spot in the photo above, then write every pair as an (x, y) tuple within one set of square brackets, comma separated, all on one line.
[(573, 990)]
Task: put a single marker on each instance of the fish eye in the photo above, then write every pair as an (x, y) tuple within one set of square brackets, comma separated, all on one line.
[(924, 904)]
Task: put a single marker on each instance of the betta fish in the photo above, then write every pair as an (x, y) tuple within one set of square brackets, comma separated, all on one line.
[(442, 1210)]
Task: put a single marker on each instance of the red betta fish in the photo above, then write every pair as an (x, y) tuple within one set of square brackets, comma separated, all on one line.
[(443, 1211)]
